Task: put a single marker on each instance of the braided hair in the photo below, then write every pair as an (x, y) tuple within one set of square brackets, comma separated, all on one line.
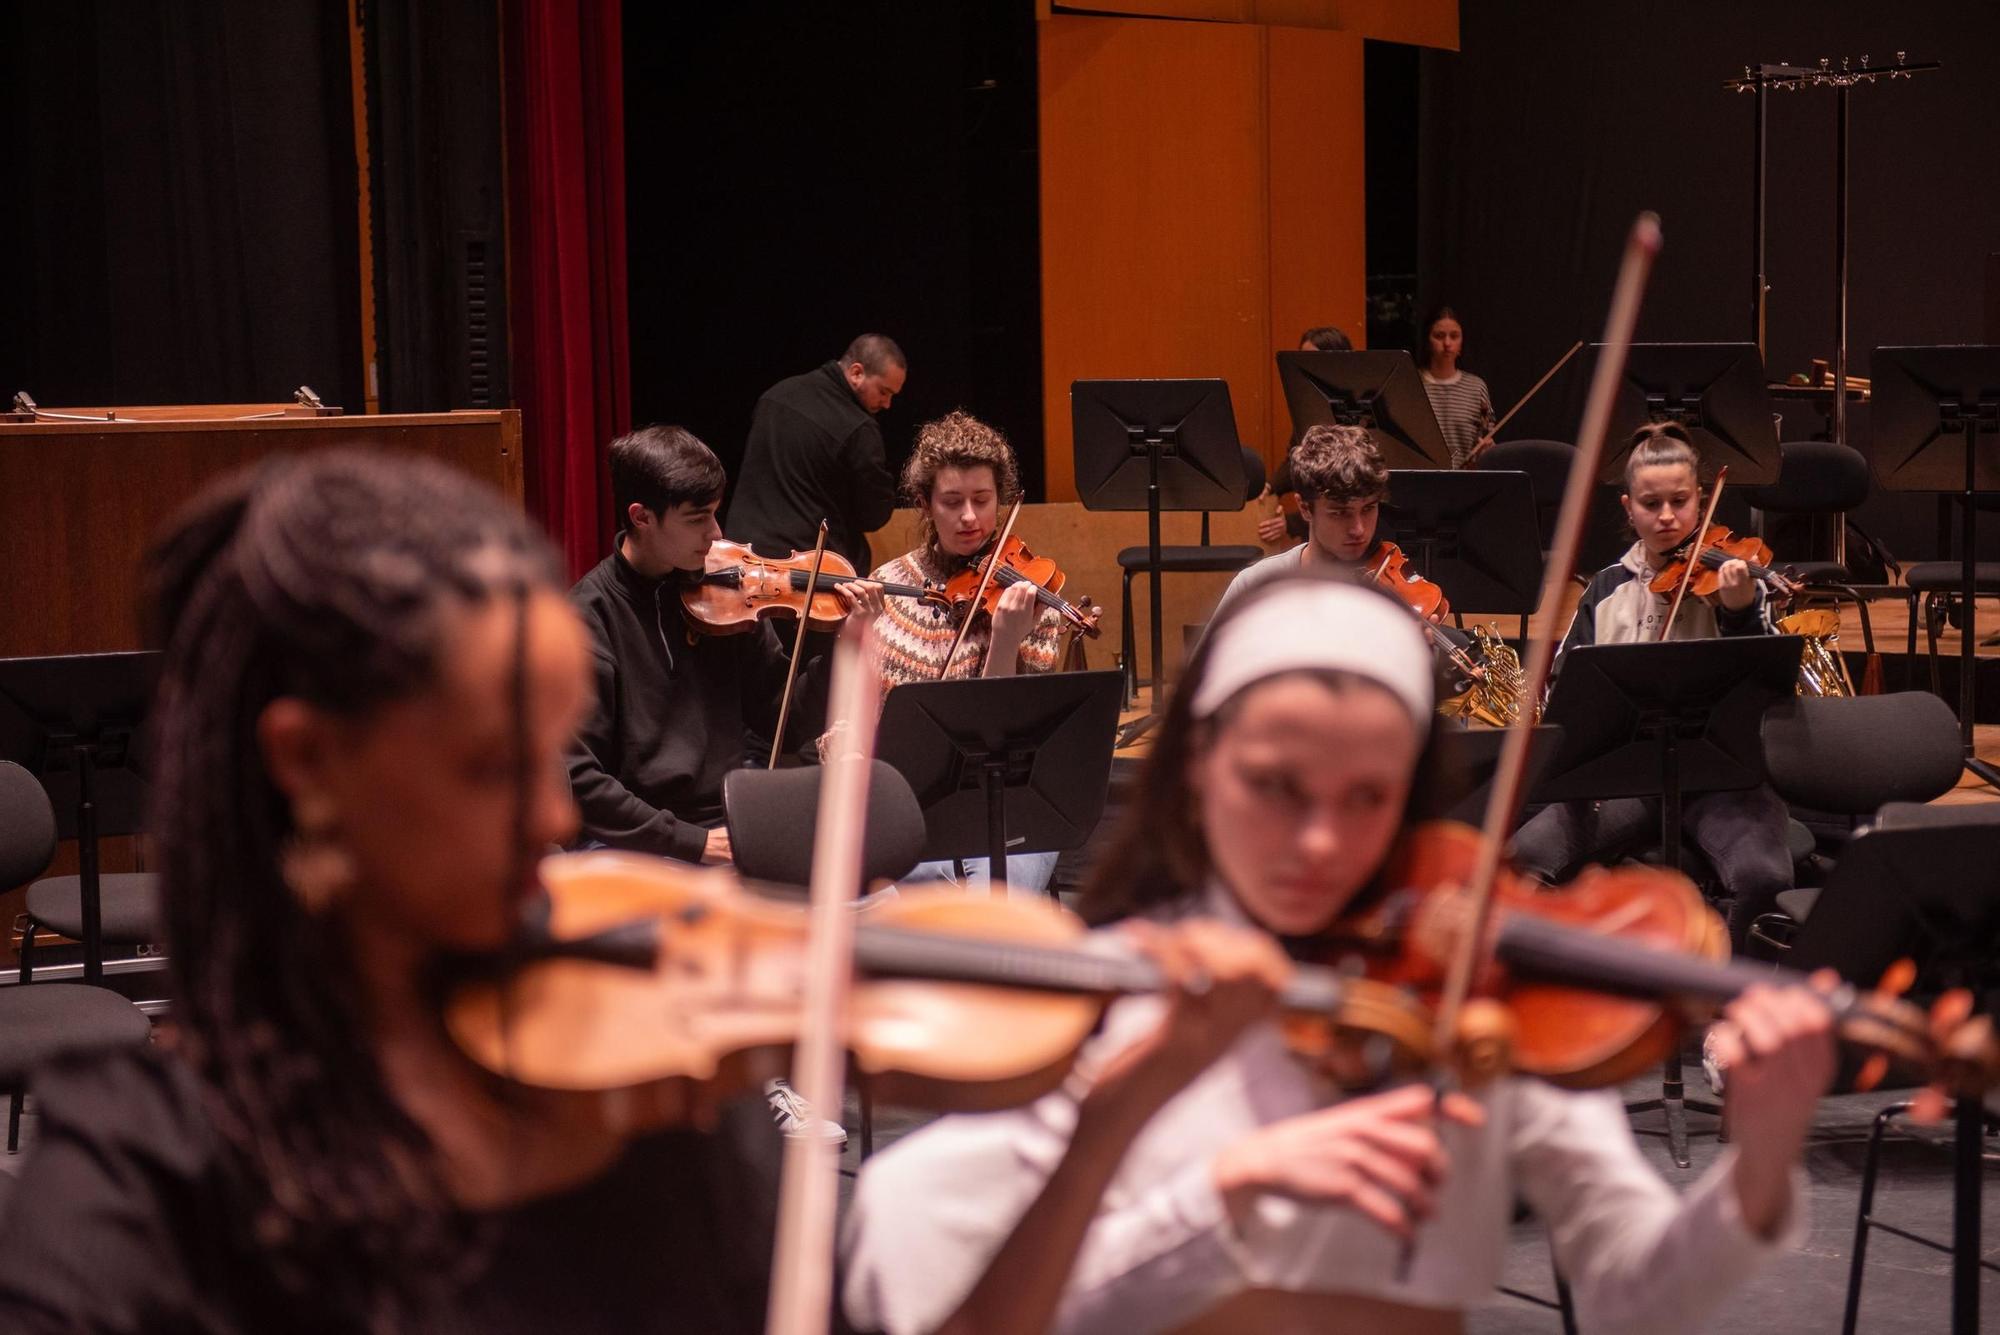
[(330, 578)]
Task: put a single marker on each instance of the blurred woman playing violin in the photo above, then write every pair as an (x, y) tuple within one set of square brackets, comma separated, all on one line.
[(370, 674), (1741, 833), (1295, 754)]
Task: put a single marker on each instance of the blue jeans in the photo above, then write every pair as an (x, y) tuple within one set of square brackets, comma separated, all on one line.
[(1028, 874)]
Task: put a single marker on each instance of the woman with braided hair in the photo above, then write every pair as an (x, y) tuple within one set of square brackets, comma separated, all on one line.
[(368, 679)]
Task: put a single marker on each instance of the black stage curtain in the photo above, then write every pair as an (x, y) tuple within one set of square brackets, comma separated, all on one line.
[(1557, 122), (180, 224), (799, 173), (439, 218)]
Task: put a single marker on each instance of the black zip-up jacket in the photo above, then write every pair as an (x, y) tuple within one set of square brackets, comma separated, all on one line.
[(647, 764), (813, 451)]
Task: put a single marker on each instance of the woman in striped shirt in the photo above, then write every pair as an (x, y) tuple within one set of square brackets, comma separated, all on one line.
[(1464, 409)]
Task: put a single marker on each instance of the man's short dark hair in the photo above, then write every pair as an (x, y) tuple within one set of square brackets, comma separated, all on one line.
[(876, 353), (1326, 338), (660, 467), (1340, 463)]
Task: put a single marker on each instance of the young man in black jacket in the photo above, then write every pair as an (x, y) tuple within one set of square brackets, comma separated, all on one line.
[(647, 765), (814, 452)]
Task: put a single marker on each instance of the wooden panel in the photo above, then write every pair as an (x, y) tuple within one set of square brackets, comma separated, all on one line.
[(1421, 22), (80, 501), (1319, 222), (1085, 546), (1202, 202), (1153, 212)]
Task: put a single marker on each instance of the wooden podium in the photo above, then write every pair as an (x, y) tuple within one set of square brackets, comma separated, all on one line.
[(84, 490)]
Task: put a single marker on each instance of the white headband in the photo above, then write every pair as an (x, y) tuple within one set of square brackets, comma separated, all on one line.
[(1321, 626)]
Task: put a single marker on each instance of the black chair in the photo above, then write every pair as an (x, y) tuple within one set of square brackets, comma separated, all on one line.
[(1842, 760), (129, 905), (1940, 585), (1547, 464), (1818, 478), (770, 816), (39, 1023), (1182, 560)]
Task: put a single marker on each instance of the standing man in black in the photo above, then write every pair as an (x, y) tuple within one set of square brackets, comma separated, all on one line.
[(815, 452)]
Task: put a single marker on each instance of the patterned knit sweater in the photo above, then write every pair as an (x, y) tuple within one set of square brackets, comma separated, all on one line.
[(915, 637)]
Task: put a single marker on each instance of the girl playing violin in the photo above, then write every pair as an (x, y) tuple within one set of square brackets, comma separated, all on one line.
[(960, 478), (370, 672), (1741, 833), (1295, 753)]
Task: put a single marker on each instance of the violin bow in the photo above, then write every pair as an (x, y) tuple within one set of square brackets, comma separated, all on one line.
[(1504, 802), (1694, 552), (1547, 376), (798, 648), (802, 1262), (985, 578)]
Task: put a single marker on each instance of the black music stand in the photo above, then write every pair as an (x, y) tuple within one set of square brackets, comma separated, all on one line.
[(74, 722), (1155, 445), (1467, 757), (1666, 720), (1886, 901), (1380, 391), (1715, 390), (1472, 533), (1931, 406), (1004, 763)]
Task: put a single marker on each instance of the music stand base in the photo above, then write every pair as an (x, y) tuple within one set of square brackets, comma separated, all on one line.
[(1676, 1132), (1987, 773)]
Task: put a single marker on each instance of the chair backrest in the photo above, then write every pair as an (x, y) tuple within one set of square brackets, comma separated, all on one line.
[(1547, 464), (1849, 756), (1815, 477), (1253, 474), (27, 827), (771, 814)]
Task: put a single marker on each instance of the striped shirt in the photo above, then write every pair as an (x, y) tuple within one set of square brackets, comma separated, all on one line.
[(1464, 411), (915, 638)]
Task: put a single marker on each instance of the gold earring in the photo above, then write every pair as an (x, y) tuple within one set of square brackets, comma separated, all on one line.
[(316, 867)]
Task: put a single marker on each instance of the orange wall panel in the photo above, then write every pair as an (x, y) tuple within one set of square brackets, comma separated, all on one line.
[(1201, 203), (1153, 209), (1319, 225)]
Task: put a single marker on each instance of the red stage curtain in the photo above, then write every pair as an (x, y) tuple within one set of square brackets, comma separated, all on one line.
[(566, 213)]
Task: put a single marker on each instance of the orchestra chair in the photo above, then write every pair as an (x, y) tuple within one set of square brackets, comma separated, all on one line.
[(42, 1022), (770, 816), (129, 908), (1940, 585), (1547, 464), (1183, 560), (1843, 759), (1820, 479)]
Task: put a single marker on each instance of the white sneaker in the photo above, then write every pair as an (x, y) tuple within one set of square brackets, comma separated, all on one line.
[(1711, 1063), (794, 1115)]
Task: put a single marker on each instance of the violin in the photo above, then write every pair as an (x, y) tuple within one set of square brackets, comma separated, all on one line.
[(1719, 546), (1015, 564), (738, 589), (646, 971), (1588, 984), (1389, 567)]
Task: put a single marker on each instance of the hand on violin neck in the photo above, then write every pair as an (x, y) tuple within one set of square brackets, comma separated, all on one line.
[(1222, 979), (1736, 586), (861, 599), (1013, 617)]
